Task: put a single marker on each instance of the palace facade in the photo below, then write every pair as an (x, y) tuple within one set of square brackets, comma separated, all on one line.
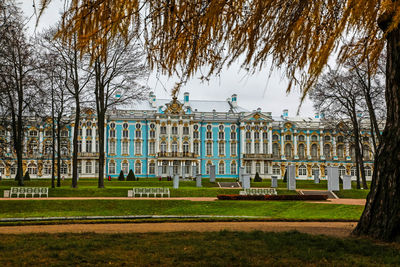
[(190, 136)]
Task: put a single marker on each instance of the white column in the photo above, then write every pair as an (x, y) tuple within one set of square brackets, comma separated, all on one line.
[(295, 143), (157, 135), (252, 150), (242, 141), (270, 140), (282, 145), (308, 144), (334, 147), (321, 145)]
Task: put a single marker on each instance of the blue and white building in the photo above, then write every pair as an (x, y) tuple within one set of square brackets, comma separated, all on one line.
[(191, 135)]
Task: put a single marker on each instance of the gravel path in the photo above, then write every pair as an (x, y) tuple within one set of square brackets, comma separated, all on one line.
[(338, 229)]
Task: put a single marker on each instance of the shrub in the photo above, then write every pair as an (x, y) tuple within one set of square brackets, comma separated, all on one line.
[(272, 197), (257, 178), (121, 176), (27, 177), (131, 176)]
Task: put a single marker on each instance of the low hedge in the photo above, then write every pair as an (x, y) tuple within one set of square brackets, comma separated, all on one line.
[(272, 197)]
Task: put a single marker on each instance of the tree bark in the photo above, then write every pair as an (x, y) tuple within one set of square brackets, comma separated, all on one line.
[(75, 143), (381, 216)]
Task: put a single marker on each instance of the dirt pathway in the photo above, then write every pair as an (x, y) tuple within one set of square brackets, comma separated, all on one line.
[(339, 229)]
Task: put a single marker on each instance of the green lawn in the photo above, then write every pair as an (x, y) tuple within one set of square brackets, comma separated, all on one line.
[(353, 193), (271, 209), (193, 249)]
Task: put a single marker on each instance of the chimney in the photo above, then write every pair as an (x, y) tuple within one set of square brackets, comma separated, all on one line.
[(186, 99), (234, 100), (285, 113), (152, 99)]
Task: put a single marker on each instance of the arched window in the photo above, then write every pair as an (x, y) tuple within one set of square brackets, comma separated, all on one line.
[(302, 170), (288, 150), (185, 147), (138, 167), (47, 168), (327, 151), (275, 150), (221, 168), (64, 168), (340, 139), (175, 167), (32, 168), (248, 148), (221, 149), (174, 147), (314, 138), (327, 138), (302, 138), (301, 151), (233, 167), (88, 167), (125, 167), (163, 147), (164, 167), (342, 171), (152, 168), (353, 171), (314, 151), (340, 151), (288, 137), (353, 152), (275, 137)]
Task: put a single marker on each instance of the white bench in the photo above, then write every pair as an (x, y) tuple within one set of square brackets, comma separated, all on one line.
[(29, 191), (139, 191), (258, 191)]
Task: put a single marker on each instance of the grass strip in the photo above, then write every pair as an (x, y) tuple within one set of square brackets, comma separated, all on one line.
[(222, 248), (276, 209)]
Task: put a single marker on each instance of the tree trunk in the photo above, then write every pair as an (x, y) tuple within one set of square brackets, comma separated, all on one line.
[(100, 127), (75, 143), (381, 216), (53, 144), (59, 150)]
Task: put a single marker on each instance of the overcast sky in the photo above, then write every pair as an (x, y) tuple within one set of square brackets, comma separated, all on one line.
[(260, 90)]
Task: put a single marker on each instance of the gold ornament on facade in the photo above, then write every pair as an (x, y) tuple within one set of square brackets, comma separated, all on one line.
[(174, 107), (256, 116)]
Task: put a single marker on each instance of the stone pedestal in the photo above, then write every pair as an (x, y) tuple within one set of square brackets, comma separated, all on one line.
[(274, 181), (194, 171), (346, 182), (198, 180), (333, 178), (170, 171), (212, 173), (316, 178), (246, 181), (291, 177), (159, 168), (241, 172), (176, 182)]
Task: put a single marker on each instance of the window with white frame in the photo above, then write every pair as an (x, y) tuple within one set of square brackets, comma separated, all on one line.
[(152, 134), (138, 148), (125, 133), (302, 138), (221, 149), (195, 134), (64, 168), (257, 148), (125, 167), (221, 135), (112, 147), (368, 171), (111, 167), (33, 133), (64, 133), (265, 135), (265, 148), (209, 149), (185, 130), (174, 147), (88, 166), (185, 147), (327, 151), (233, 167), (248, 167), (327, 138), (275, 149), (47, 169), (163, 130), (96, 166), (89, 132), (256, 135), (301, 151), (233, 135), (315, 170), (152, 148), (276, 170), (80, 132), (265, 167), (314, 138), (340, 139), (248, 148), (138, 134), (208, 165), (79, 167), (79, 146), (209, 135), (302, 170), (125, 148), (138, 167), (112, 133), (174, 130), (340, 151), (248, 135), (342, 171), (233, 148), (221, 168), (275, 137), (196, 148), (89, 146), (163, 147), (353, 171), (314, 151), (152, 168)]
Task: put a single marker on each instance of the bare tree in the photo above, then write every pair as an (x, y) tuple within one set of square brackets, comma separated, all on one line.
[(76, 75), (338, 96), (117, 77), (17, 79)]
